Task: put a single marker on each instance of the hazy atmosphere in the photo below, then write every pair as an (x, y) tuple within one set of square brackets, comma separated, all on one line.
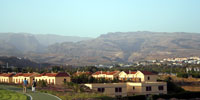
[(90, 18), (99, 49)]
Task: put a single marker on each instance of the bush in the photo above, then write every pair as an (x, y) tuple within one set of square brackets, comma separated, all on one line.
[(182, 95), (172, 87), (42, 83), (183, 75), (136, 97)]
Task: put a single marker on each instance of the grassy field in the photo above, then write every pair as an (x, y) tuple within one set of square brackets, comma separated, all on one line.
[(7, 93), (191, 88), (80, 95), (10, 95)]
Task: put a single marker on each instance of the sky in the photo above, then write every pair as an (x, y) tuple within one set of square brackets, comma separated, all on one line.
[(90, 18)]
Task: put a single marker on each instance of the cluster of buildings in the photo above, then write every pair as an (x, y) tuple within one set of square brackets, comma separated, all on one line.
[(137, 83), (50, 78), (132, 82), (170, 61), (190, 69), (184, 60)]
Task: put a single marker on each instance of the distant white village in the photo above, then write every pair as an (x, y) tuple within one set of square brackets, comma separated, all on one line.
[(165, 61)]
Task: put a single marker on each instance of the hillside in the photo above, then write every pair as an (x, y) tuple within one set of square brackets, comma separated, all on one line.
[(17, 62), (127, 47), (49, 39), (18, 44), (116, 47)]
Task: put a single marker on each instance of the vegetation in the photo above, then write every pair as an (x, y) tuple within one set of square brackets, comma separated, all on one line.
[(10, 95), (80, 95), (136, 97), (172, 87), (42, 83), (83, 78), (182, 95)]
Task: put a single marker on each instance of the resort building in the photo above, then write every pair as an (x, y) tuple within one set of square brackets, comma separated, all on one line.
[(138, 76), (139, 83), (127, 76), (107, 75), (54, 78), (19, 78), (146, 76), (6, 77), (129, 88)]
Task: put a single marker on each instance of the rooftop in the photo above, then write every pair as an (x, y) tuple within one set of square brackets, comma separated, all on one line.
[(7, 74), (61, 74)]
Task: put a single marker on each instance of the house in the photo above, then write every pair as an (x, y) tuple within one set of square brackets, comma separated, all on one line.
[(127, 75), (110, 89), (145, 76), (19, 78), (129, 88), (54, 78), (107, 75), (146, 88), (6, 77), (137, 76), (140, 83)]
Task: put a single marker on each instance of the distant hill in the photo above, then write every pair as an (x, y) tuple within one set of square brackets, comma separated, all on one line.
[(17, 62), (16, 44), (49, 39), (127, 47), (105, 49)]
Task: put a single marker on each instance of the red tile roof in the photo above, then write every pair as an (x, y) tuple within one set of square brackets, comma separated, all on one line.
[(54, 74), (107, 73), (24, 74), (7, 74), (147, 73)]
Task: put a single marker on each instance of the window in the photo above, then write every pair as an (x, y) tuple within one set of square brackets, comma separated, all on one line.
[(52, 81), (160, 88), (118, 89), (65, 80), (101, 89), (133, 87), (148, 88), (148, 78)]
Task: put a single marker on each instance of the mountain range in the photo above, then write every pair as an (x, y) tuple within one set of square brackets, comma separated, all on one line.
[(105, 49)]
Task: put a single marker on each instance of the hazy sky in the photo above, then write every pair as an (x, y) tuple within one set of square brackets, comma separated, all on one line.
[(94, 17)]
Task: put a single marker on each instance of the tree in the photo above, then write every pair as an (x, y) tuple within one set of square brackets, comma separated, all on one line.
[(171, 87)]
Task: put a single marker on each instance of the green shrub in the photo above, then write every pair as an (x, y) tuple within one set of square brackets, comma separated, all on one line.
[(182, 95), (42, 83), (136, 97), (183, 75), (172, 87)]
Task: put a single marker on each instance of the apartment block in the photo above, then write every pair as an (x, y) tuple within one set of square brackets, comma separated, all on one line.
[(19, 78), (6, 77), (54, 78), (129, 88), (107, 75)]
